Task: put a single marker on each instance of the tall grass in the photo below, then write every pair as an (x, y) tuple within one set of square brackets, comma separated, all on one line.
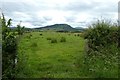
[(62, 39), (53, 40)]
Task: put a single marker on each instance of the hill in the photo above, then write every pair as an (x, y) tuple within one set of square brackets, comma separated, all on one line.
[(59, 28), (55, 27)]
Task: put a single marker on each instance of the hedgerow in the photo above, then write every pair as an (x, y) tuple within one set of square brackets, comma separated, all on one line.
[(9, 47), (102, 50)]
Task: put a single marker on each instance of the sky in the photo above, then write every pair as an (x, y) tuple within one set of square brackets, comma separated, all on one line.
[(77, 13)]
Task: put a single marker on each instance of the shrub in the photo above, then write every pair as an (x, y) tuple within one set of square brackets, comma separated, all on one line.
[(101, 34), (10, 44), (101, 57), (40, 34), (69, 34), (78, 34), (9, 47), (48, 38), (53, 40), (63, 39), (82, 35), (29, 36), (34, 44)]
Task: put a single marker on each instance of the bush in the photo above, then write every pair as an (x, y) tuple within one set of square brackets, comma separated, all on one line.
[(69, 34), (40, 34), (10, 44), (75, 35), (9, 48), (29, 36), (63, 39), (53, 40), (48, 38), (104, 63), (101, 34), (101, 57), (78, 34), (34, 44)]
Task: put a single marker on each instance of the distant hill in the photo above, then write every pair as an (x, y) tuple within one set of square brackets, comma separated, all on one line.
[(80, 28), (59, 28), (55, 27)]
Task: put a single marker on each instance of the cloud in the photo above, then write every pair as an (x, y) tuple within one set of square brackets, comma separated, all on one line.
[(37, 13)]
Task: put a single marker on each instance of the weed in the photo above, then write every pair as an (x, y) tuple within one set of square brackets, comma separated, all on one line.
[(34, 44), (53, 40), (63, 39), (78, 34), (48, 38), (41, 34)]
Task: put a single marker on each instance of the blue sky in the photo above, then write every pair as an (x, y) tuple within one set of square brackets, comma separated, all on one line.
[(77, 13)]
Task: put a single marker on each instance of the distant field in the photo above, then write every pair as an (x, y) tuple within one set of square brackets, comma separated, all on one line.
[(39, 58)]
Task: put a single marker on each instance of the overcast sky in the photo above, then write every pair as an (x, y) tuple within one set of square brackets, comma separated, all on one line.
[(77, 13)]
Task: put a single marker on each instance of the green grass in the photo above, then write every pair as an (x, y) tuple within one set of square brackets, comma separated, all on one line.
[(39, 58)]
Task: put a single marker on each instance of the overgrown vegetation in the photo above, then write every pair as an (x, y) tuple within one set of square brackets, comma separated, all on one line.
[(34, 44), (20, 29), (101, 56), (53, 40), (9, 48), (48, 38), (62, 39)]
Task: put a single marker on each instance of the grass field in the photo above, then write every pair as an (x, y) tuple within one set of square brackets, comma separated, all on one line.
[(39, 58)]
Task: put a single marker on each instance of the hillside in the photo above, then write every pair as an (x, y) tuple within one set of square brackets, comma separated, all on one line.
[(55, 27), (58, 27)]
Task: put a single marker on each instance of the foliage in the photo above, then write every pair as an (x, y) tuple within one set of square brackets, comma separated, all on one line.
[(53, 40), (101, 34), (78, 34), (20, 29), (34, 44), (48, 38), (102, 51), (62, 39), (40, 34), (9, 47)]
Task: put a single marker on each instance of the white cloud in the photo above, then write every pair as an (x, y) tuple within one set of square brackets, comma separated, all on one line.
[(47, 12), (21, 16)]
